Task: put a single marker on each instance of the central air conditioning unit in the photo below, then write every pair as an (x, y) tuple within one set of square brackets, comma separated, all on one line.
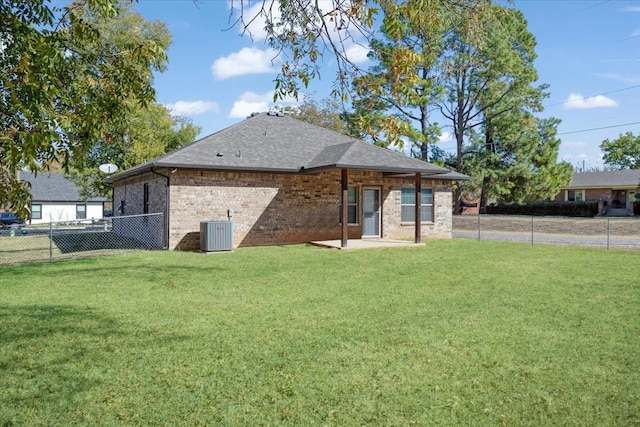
[(216, 236)]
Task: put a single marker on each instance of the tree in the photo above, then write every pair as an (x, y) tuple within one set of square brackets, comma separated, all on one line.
[(479, 72), (304, 31), (328, 113), (488, 82), (396, 94), (148, 132), (145, 131), (393, 102), (622, 152), (516, 160), (63, 85)]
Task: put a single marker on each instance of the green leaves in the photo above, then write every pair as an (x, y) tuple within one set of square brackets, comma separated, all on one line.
[(475, 63), (622, 152), (328, 113), (67, 76), (394, 100), (147, 132)]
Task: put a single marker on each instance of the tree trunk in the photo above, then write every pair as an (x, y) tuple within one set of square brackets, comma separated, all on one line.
[(484, 195), (457, 203), (486, 180), (424, 151), (424, 125), (459, 132)]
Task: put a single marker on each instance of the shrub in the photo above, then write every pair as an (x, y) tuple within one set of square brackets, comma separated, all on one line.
[(570, 209)]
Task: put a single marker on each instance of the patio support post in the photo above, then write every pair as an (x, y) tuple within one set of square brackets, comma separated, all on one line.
[(344, 207), (418, 219)]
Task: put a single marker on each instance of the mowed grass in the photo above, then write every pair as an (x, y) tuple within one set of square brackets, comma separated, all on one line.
[(458, 332)]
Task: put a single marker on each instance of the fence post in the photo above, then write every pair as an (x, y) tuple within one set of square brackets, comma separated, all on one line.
[(608, 231), (532, 230), (50, 241), (478, 226)]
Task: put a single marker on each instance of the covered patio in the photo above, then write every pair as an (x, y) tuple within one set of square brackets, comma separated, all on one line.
[(364, 244)]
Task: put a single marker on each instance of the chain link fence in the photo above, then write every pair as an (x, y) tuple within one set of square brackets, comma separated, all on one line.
[(604, 232), (56, 241)]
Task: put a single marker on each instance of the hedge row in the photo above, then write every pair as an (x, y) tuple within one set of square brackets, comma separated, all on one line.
[(570, 209)]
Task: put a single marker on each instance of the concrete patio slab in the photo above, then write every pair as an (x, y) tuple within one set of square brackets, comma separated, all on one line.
[(365, 244)]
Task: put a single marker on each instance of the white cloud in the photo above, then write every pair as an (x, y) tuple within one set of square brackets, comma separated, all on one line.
[(251, 102), (349, 39), (357, 53), (584, 159), (574, 144), (189, 108), (632, 9), (575, 158), (256, 17), (619, 77), (577, 101), (446, 137), (249, 60), (255, 29)]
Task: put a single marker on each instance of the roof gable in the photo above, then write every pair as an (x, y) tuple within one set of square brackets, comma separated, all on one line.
[(271, 143), (54, 187), (360, 155)]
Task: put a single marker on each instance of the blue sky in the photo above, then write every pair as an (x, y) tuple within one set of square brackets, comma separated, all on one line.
[(587, 52)]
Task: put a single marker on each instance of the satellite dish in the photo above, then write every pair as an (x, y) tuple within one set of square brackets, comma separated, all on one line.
[(108, 168)]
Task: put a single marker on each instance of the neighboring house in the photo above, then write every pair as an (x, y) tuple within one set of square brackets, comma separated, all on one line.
[(616, 189), (281, 180), (55, 198)]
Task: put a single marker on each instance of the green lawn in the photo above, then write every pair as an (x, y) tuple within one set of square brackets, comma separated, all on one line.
[(459, 332)]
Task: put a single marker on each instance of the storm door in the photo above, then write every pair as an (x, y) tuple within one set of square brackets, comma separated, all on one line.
[(371, 212)]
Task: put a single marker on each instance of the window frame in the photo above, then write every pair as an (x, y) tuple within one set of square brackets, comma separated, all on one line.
[(424, 207), (575, 192), (351, 204), (34, 210), (78, 211)]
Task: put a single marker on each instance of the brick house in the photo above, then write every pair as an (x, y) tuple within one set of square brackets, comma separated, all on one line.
[(281, 180), (615, 189)]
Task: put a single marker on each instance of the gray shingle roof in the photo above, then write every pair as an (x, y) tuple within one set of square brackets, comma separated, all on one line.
[(359, 155), (282, 144), (606, 179), (54, 187)]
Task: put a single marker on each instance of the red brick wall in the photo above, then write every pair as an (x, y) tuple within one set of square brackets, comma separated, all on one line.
[(590, 195), (598, 194)]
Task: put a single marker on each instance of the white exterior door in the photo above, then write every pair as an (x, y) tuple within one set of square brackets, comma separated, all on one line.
[(371, 212)]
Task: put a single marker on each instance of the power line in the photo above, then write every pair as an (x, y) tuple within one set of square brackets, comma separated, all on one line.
[(592, 6), (630, 38), (600, 128), (564, 133), (592, 96)]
